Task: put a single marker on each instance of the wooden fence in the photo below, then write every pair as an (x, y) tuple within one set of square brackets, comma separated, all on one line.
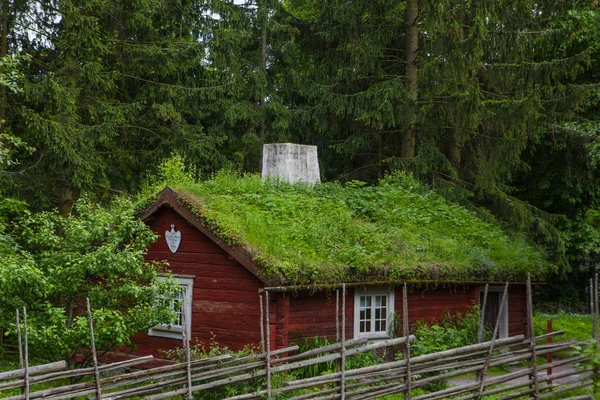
[(408, 375)]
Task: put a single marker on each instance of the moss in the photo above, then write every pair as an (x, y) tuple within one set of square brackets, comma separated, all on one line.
[(397, 230)]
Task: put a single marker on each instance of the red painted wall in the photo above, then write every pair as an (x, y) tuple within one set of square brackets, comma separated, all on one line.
[(314, 315), (426, 304), (225, 300), (517, 310)]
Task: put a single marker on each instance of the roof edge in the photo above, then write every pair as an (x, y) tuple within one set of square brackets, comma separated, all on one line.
[(172, 198)]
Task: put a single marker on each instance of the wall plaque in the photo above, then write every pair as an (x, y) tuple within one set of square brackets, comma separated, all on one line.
[(173, 239)]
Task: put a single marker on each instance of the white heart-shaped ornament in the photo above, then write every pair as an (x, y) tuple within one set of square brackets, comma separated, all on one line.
[(173, 239)]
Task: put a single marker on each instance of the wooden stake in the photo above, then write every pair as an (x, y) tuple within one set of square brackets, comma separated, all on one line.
[(268, 355), (592, 308), (549, 355), (262, 326), (337, 315), (531, 334), (343, 347), (26, 366), (493, 341), (596, 302), (94, 356), (482, 314), (186, 349), (19, 340), (408, 385)]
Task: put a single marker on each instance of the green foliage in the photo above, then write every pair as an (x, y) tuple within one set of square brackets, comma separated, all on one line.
[(200, 350), (10, 76), (453, 331), (310, 343), (576, 326), (51, 264), (592, 351), (331, 232), (506, 115)]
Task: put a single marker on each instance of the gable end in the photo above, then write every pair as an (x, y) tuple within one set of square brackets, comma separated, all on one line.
[(170, 198)]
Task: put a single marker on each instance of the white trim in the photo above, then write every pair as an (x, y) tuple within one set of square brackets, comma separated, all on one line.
[(176, 331), (503, 328), (374, 291)]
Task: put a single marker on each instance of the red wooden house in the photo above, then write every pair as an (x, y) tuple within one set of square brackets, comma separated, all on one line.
[(223, 281)]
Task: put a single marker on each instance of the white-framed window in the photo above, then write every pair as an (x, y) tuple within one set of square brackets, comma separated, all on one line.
[(373, 312), (181, 308)]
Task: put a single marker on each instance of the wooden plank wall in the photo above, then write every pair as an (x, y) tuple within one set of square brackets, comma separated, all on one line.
[(432, 304), (225, 300), (517, 310), (314, 315)]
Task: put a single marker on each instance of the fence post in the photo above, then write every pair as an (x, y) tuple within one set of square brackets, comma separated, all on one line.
[(592, 308), (493, 342), (531, 335), (19, 340), (94, 356), (343, 345), (186, 347), (26, 378), (268, 355), (262, 325), (337, 315), (595, 319), (549, 355), (408, 382), (482, 314)]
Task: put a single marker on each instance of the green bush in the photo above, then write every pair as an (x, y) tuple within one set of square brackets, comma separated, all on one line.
[(201, 350), (453, 331), (352, 362)]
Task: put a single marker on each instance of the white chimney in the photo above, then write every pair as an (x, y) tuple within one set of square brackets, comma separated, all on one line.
[(291, 162)]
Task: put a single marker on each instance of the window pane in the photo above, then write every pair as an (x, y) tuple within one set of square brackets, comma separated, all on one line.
[(380, 313), (365, 314), (177, 306)]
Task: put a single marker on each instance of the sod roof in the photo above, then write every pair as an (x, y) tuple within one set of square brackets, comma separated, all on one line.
[(396, 231)]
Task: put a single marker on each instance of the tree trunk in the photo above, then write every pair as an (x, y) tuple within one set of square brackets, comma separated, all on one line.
[(455, 149), (263, 89), (65, 202), (408, 140), (4, 52)]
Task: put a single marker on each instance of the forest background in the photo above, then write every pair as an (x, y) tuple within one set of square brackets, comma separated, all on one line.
[(494, 104)]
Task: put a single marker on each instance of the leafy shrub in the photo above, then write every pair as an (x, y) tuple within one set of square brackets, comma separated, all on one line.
[(352, 362), (310, 343), (453, 331), (592, 351), (50, 265), (201, 350)]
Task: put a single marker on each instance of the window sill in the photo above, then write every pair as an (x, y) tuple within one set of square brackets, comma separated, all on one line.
[(173, 333)]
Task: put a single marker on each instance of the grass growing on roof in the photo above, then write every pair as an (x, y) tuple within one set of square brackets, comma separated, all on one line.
[(332, 232)]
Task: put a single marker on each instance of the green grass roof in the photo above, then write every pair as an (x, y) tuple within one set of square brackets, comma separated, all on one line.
[(329, 233)]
